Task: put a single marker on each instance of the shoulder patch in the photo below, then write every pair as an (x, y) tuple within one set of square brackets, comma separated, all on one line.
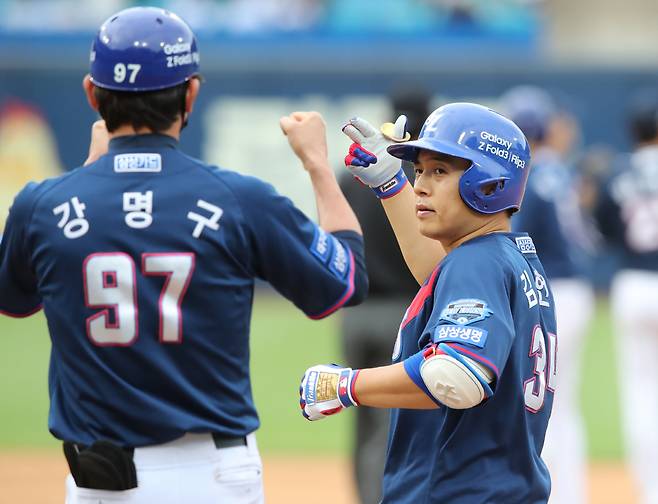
[(525, 245), (321, 246), (330, 251), (461, 334), (339, 264), (465, 311)]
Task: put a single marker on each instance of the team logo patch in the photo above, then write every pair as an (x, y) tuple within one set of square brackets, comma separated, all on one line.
[(525, 245), (461, 334), (342, 386), (138, 162), (465, 311)]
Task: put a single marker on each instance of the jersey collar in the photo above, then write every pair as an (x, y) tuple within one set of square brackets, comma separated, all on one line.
[(520, 239), (131, 142)]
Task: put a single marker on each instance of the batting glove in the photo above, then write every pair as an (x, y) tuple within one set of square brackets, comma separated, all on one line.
[(326, 390), (368, 159)]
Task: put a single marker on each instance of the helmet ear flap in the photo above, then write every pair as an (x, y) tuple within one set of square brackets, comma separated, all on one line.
[(482, 194), (489, 188)]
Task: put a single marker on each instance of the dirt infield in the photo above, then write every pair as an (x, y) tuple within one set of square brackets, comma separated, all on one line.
[(38, 478)]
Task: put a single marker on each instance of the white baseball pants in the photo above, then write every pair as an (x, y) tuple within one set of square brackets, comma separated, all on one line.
[(189, 469)]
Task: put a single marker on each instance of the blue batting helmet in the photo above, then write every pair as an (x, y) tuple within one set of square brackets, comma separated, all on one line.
[(143, 49), (498, 151)]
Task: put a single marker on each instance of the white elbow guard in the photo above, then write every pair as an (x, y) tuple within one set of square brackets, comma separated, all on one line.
[(452, 383)]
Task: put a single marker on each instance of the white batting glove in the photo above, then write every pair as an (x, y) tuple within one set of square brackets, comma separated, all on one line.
[(326, 390), (368, 160)]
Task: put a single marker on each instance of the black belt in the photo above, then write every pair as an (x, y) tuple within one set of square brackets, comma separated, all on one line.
[(222, 441)]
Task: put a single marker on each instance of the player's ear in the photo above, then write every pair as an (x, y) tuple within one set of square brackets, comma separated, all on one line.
[(88, 86), (191, 94)]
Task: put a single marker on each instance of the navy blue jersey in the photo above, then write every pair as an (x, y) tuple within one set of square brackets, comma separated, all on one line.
[(550, 214), (145, 263), (627, 211), (490, 301)]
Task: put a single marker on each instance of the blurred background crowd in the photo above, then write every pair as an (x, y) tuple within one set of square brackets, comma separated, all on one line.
[(253, 16), (580, 78)]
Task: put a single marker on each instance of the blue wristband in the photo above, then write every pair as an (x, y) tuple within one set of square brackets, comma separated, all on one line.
[(412, 367), (392, 187)]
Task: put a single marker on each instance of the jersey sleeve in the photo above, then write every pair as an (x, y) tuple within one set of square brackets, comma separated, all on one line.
[(472, 311), (318, 271), (18, 284)]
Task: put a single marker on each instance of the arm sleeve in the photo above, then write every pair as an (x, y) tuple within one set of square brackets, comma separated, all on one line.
[(318, 271), (18, 284), (472, 311)]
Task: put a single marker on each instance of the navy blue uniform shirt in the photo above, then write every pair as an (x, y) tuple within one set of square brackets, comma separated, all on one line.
[(145, 263), (490, 301)]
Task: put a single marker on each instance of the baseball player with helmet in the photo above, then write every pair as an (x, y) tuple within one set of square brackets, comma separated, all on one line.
[(551, 216), (627, 214), (473, 374), (144, 263)]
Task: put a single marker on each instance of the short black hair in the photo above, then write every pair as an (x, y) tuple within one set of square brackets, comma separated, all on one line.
[(156, 110)]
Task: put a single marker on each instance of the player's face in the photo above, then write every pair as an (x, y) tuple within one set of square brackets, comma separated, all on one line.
[(441, 213)]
